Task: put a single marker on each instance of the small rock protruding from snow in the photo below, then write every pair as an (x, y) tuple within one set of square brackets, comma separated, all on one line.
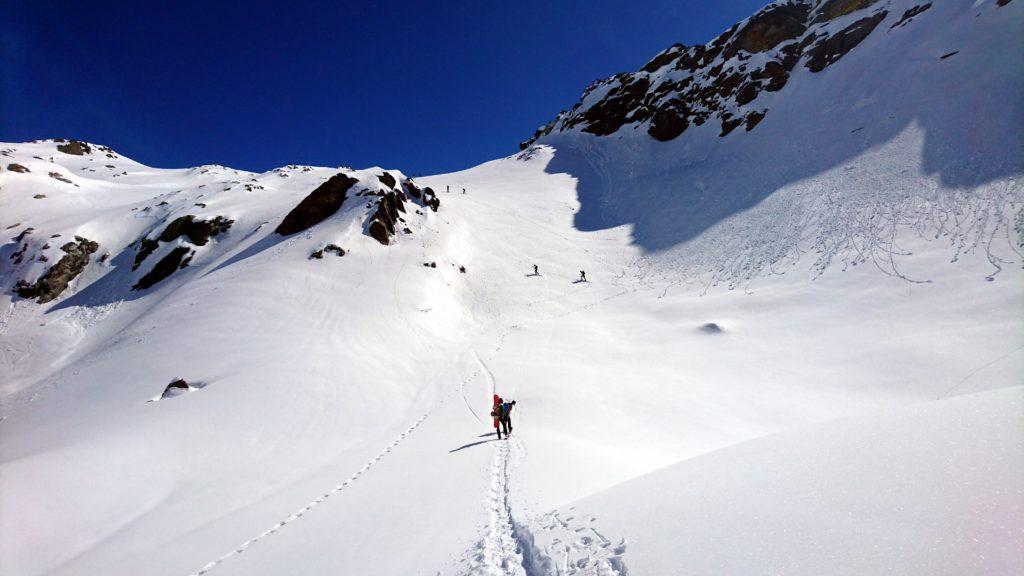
[(177, 387), (711, 328)]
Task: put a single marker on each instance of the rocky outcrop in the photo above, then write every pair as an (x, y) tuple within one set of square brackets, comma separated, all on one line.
[(330, 248), (832, 9), (769, 28), (387, 180), (617, 107), (167, 265), (55, 280), (382, 223), (829, 50), (17, 168), (74, 147), (720, 82), (411, 189), (430, 199), (909, 15), (197, 232), (320, 205)]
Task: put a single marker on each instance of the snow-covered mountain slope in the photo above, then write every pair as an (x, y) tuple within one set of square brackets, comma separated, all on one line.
[(864, 382), (917, 122)]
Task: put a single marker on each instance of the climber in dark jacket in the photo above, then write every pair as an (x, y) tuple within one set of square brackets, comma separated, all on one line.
[(506, 418)]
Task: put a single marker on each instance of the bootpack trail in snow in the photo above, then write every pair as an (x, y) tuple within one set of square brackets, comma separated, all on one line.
[(337, 488), (481, 367), (509, 548)]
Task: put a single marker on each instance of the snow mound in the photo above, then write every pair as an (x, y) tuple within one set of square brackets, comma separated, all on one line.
[(930, 489)]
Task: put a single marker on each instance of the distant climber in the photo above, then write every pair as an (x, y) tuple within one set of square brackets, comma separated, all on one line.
[(447, 188), (463, 190), (583, 276), (536, 271)]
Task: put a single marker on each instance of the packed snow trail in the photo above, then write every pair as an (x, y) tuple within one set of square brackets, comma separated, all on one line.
[(509, 548), (506, 548)]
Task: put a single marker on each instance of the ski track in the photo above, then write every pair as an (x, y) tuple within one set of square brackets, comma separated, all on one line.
[(337, 488)]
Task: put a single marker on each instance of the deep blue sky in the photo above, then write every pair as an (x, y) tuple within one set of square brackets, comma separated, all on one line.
[(423, 87)]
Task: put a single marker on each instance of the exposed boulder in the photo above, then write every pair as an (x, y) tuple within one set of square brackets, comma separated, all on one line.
[(177, 387), (320, 205), (198, 233), (910, 14), (74, 147), (711, 328), (669, 121), (747, 93), (58, 176), (165, 267), (55, 280), (729, 123), (17, 168), (775, 73), (770, 27), (753, 119), (664, 58), (412, 189), (333, 248), (387, 180), (146, 247), (829, 50), (430, 199), (382, 223), (615, 108), (832, 9)]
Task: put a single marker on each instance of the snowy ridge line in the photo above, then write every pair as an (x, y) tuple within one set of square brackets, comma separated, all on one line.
[(302, 511)]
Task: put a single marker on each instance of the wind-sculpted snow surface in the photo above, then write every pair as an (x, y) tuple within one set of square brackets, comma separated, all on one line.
[(854, 409)]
